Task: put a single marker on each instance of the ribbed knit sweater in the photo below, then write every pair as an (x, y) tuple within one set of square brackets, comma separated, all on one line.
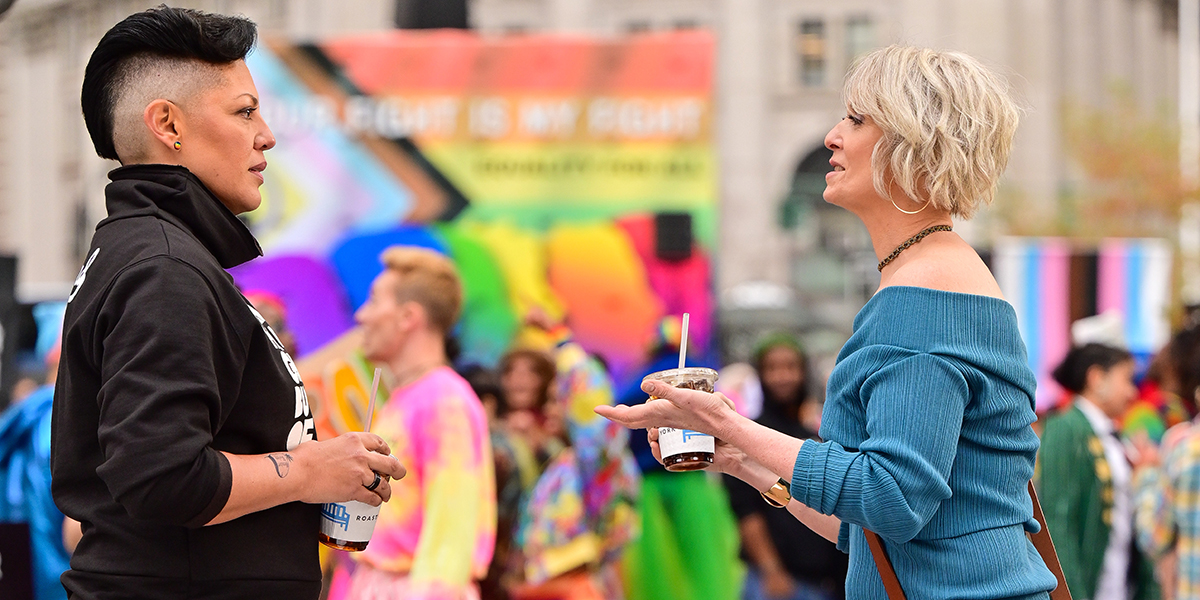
[(927, 417)]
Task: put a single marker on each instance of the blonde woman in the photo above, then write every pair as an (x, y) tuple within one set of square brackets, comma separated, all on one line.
[(928, 411)]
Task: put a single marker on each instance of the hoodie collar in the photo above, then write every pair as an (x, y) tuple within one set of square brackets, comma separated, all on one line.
[(174, 194)]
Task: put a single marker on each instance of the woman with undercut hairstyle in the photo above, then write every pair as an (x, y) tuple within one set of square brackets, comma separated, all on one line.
[(928, 448), (182, 436)]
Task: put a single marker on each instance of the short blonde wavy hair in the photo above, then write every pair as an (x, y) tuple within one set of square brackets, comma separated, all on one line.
[(948, 124)]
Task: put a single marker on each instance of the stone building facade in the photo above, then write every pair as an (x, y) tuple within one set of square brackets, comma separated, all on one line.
[(786, 260), (780, 64), (51, 181)]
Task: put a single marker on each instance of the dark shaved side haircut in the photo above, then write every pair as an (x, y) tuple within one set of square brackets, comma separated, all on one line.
[(163, 37)]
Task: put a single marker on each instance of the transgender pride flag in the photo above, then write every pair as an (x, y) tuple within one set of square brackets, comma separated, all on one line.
[(1134, 277), (1034, 274), (1051, 285)]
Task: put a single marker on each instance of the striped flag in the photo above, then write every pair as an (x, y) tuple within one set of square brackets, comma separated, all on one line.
[(1034, 274), (1051, 285)]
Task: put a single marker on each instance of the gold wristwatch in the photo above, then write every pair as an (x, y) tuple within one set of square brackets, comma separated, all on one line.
[(779, 494)]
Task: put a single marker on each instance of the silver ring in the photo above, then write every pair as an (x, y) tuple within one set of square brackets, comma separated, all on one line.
[(374, 484)]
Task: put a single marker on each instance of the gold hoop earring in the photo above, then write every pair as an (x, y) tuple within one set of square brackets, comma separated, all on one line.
[(910, 212)]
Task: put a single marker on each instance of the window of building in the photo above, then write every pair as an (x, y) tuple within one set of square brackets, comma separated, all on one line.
[(638, 26), (811, 48), (860, 37)]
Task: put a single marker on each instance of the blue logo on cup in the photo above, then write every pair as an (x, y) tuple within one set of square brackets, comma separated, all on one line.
[(337, 514), (689, 434)]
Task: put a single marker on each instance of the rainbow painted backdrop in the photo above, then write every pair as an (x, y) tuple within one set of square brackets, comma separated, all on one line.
[(535, 162)]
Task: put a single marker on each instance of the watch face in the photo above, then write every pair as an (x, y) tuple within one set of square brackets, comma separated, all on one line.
[(778, 495)]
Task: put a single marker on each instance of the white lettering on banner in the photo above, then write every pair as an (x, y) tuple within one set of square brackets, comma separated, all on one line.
[(643, 117), (548, 118), (311, 114), (493, 117), (388, 117), (488, 118), (396, 117)]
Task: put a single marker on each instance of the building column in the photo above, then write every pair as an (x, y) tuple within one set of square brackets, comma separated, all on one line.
[(749, 237)]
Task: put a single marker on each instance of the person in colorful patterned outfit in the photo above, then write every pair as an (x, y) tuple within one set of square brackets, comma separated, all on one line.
[(516, 399), (1085, 478), (1160, 405), (434, 540), (1167, 481), (579, 516), (1167, 493)]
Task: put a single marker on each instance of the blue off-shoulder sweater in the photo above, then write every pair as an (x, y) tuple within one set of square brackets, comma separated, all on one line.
[(928, 419)]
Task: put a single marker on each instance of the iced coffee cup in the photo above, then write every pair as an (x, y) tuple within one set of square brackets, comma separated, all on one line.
[(682, 449), (348, 525)]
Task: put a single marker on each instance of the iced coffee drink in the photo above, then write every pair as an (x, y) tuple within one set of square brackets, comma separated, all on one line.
[(347, 525), (682, 449)]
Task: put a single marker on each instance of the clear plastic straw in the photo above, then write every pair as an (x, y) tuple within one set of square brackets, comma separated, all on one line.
[(683, 341), (371, 404)]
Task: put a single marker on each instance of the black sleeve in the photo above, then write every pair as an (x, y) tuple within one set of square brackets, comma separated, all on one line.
[(164, 343), (743, 499)]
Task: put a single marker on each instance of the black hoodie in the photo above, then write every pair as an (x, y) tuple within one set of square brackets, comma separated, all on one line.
[(164, 365)]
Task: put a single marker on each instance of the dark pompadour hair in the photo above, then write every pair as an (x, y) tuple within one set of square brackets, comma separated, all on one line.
[(165, 32), (1072, 372)]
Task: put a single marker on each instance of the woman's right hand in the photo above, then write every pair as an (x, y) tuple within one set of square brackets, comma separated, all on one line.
[(680, 408), (340, 469)]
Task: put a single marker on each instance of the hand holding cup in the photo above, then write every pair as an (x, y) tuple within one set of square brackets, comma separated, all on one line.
[(365, 471), (679, 408), (341, 469)]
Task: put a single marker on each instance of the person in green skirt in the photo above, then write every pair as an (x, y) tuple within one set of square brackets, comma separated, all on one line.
[(688, 548)]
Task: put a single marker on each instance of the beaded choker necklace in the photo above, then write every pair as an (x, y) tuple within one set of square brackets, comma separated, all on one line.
[(909, 242)]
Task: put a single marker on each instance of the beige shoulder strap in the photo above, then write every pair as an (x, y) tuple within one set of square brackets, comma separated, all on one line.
[(1041, 540)]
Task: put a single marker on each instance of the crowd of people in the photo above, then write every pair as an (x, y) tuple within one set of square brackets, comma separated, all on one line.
[(1118, 469), (515, 488), (188, 457), (1119, 493)]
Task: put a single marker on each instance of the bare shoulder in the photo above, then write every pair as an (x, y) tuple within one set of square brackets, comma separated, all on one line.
[(953, 266)]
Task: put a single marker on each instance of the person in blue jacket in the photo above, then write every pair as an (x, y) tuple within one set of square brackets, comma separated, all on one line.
[(25, 466)]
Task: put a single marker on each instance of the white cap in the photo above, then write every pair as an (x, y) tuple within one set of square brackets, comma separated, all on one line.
[(1106, 328)]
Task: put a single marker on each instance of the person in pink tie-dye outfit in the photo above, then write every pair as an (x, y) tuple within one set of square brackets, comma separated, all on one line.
[(434, 540)]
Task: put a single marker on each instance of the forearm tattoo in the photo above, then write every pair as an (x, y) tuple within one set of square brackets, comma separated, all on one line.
[(282, 462)]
